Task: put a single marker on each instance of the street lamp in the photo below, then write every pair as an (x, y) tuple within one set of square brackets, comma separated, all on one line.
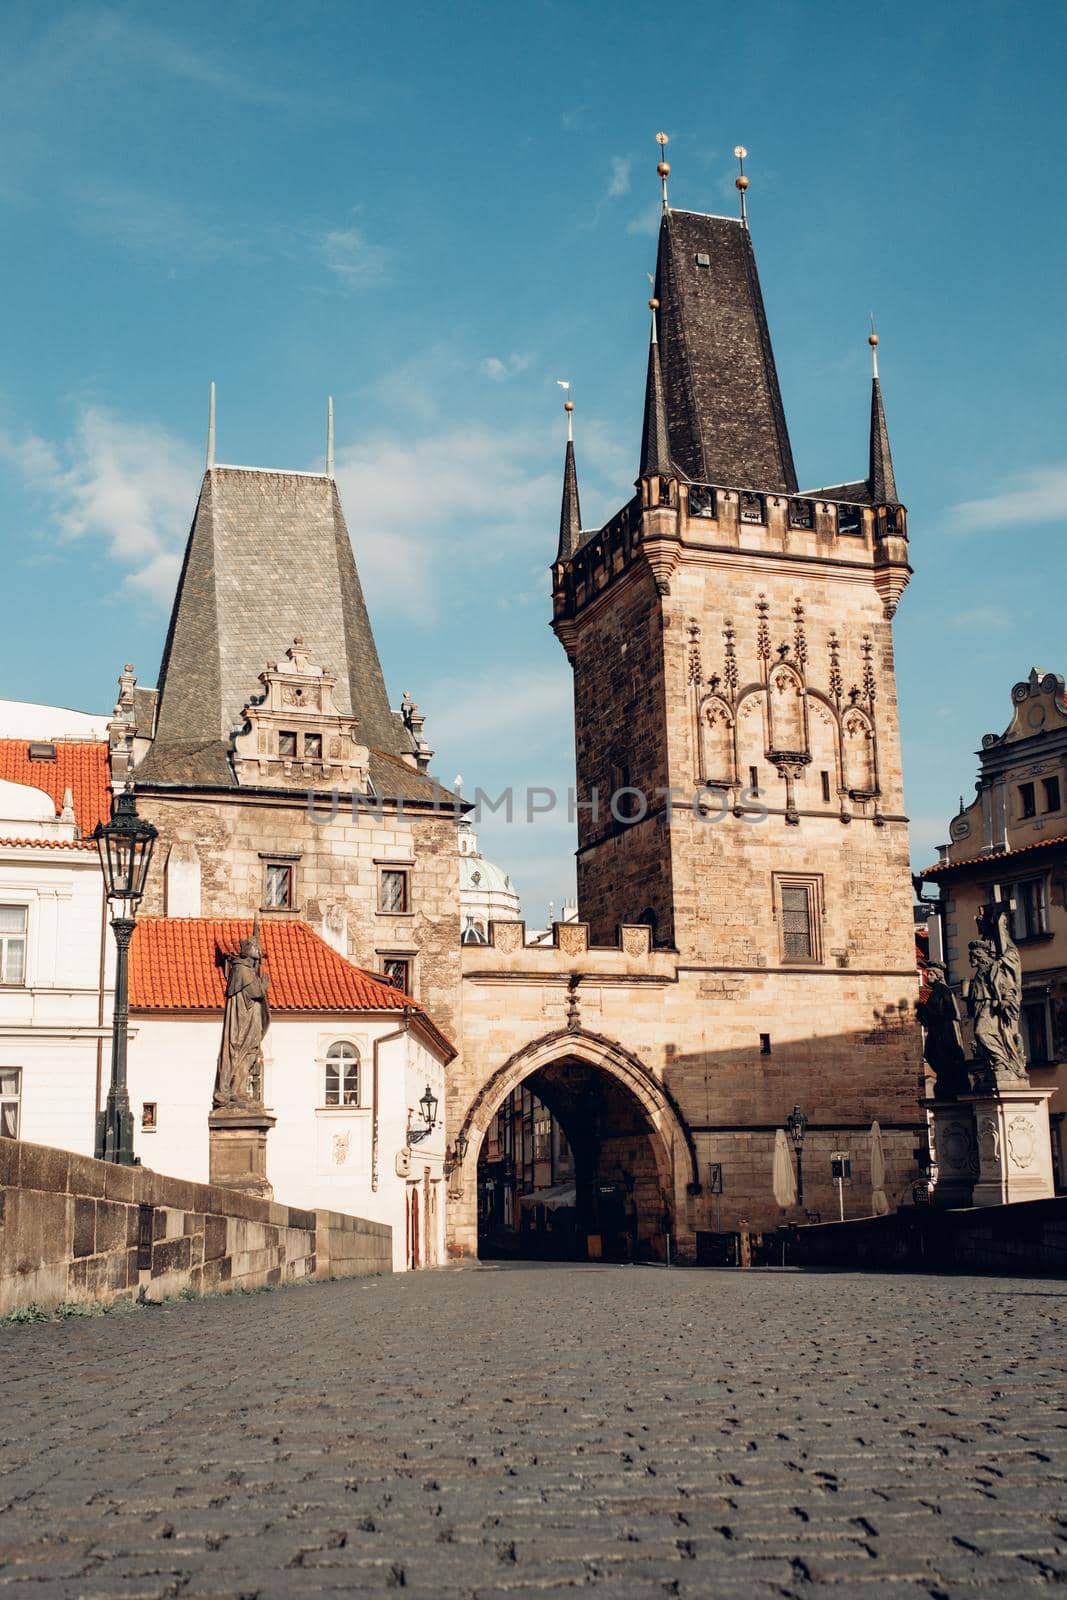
[(125, 846), (458, 1154), (797, 1123), (428, 1107)]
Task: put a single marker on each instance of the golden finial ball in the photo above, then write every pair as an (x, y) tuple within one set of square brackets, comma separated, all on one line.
[(653, 304), (741, 183), (664, 169), (872, 339), (568, 405)]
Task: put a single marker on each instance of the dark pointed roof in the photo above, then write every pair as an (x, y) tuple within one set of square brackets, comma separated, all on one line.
[(725, 421), (570, 514), (655, 441), (268, 559), (880, 480)]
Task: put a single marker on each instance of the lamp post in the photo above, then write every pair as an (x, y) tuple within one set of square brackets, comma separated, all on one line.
[(797, 1124), (428, 1107), (125, 845)]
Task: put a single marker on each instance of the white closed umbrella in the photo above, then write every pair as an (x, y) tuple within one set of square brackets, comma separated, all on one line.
[(879, 1203), (784, 1174)]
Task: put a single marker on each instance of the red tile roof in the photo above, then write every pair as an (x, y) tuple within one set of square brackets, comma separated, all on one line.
[(176, 964), (50, 844), (992, 857), (80, 766)]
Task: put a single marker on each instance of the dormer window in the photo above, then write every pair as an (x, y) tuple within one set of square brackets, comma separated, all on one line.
[(313, 747), (1051, 786), (1027, 801), (287, 746)]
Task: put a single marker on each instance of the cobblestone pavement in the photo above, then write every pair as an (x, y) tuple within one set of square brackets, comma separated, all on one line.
[(504, 1432)]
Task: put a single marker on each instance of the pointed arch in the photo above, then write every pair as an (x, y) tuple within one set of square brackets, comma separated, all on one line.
[(718, 757), (859, 755), (824, 745), (752, 736), (677, 1148), (787, 710)]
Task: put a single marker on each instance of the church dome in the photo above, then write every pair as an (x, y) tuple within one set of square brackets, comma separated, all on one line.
[(482, 877)]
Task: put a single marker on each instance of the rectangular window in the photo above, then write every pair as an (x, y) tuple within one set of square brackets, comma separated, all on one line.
[(1035, 1032), (825, 776), (1051, 786), (397, 970), (313, 747), (287, 744), (753, 779), (148, 1114), (278, 886), (10, 1101), (798, 909), (12, 944), (1027, 800), (1030, 908), (394, 890)]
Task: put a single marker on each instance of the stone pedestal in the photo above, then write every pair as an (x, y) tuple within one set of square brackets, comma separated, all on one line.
[(955, 1152), (238, 1150), (1014, 1146)]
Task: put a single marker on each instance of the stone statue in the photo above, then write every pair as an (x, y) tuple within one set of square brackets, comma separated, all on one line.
[(994, 1004), (943, 1045), (245, 1020)]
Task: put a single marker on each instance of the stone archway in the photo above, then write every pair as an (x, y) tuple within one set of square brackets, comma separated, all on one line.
[(625, 1129)]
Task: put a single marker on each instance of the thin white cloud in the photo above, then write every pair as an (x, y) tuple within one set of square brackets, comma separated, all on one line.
[(130, 485), (95, 47), (422, 509), (990, 618), (647, 221), (353, 260), (499, 370), (501, 713), (619, 183), (147, 222), (1036, 496)]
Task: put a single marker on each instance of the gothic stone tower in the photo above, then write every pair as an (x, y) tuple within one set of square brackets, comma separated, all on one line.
[(731, 640), (271, 687)]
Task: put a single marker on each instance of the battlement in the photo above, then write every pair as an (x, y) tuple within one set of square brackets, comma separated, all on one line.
[(672, 514), (630, 955)]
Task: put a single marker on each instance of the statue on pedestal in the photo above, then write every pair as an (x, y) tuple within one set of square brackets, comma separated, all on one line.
[(994, 1004), (245, 1020), (943, 1044)]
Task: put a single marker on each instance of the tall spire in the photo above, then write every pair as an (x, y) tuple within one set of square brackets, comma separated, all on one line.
[(570, 512), (655, 440), (880, 478)]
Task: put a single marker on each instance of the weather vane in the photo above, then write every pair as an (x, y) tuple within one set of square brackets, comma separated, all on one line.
[(664, 167), (741, 182), (568, 406)]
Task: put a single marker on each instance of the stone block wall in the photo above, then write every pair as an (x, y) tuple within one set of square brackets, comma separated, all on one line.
[(841, 1042), (336, 861), (74, 1229)]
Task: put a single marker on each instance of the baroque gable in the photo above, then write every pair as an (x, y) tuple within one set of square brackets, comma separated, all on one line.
[(295, 735)]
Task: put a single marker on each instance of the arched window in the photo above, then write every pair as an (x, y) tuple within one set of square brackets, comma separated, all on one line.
[(342, 1075)]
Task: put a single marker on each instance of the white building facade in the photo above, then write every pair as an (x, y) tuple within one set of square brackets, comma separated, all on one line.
[(56, 952), (347, 1062)]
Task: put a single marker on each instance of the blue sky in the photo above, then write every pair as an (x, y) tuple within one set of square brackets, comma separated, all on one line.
[(434, 211)]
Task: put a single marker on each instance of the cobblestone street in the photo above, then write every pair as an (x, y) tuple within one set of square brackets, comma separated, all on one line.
[(509, 1431)]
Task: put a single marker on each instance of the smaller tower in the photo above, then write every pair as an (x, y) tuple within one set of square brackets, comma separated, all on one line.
[(570, 515), (880, 479)]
